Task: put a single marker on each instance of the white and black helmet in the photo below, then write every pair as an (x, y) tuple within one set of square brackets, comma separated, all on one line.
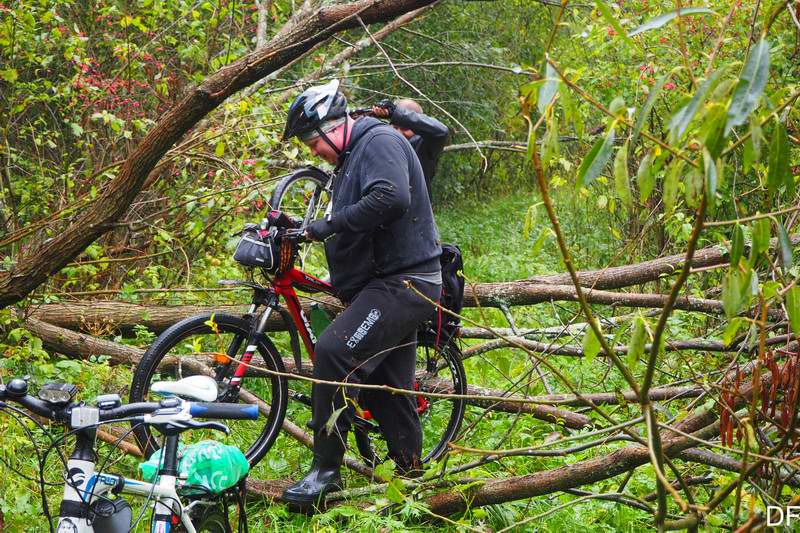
[(315, 106)]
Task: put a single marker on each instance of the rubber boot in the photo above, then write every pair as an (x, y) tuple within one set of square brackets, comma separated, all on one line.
[(324, 475)]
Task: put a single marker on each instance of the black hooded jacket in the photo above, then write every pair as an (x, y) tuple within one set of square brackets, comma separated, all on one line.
[(381, 214), (430, 137)]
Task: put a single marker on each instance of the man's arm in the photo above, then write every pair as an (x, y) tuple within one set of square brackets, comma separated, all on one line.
[(385, 192), (430, 129)]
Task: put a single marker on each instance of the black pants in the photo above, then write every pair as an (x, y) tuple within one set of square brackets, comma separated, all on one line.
[(374, 341)]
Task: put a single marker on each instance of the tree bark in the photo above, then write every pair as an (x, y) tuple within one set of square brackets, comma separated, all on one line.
[(300, 35)]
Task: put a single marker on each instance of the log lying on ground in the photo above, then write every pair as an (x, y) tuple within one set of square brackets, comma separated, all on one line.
[(638, 273), (701, 425), (546, 348), (84, 315)]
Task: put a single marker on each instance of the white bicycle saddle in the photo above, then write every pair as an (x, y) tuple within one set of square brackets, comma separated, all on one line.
[(200, 388)]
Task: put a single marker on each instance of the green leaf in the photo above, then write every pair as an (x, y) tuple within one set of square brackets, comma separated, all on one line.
[(595, 161), (793, 308), (737, 245), (331, 422), (779, 172), (785, 246), (736, 288), (711, 130), (710, 170), (219, 149), (591, 345), (540, 240), (752, 148), (609, 17), (680, 121), (648, 106), (548, 89), (671, 181), (660, 20), (732, 329), (549, 148), (394, 491), (621, 179), (750, 87), (637, 341), (9, 74), (645, 177), (693, 188), (760, 242)]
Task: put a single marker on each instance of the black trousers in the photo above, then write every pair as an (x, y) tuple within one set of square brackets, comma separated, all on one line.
[(374, 341)]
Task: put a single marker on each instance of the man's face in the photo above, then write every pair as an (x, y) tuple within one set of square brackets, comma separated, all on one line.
[(320, 148)]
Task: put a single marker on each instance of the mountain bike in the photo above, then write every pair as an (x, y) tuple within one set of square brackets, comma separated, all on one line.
[(92, 501), (232, 345)]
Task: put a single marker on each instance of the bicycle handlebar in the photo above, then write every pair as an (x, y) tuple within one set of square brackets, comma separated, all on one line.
[(16, 392), (223, 411)]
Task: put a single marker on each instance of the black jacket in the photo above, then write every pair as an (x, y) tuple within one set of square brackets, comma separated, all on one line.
[(381, 214), (428, 141)]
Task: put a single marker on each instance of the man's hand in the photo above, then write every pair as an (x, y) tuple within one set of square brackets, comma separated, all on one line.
[(380, 112), (383, 109), (319, 230)]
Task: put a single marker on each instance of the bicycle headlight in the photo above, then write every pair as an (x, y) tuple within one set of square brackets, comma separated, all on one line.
[(57, 393)]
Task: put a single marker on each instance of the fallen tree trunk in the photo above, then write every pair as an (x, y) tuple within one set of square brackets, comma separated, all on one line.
[(646, 271), (80, 315)]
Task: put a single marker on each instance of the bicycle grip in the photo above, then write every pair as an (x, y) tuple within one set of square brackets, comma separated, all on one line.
[(224, 411)]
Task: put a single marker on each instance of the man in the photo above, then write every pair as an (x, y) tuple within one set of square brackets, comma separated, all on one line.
[(379, 237), (427, 135)]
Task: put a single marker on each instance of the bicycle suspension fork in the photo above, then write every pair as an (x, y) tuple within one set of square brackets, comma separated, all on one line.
[(258, 328)]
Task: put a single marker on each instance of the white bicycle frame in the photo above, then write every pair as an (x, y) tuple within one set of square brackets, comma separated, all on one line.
[(83, 484)]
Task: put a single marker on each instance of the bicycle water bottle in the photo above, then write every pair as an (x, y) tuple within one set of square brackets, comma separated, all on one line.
[(320, 319)]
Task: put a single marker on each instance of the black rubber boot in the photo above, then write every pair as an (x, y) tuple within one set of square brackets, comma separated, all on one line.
[(324, 475)]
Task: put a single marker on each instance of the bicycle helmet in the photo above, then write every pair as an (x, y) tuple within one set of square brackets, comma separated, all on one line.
[(315, 106)]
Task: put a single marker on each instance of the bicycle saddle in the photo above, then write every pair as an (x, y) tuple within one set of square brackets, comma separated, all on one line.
[(200, 388)]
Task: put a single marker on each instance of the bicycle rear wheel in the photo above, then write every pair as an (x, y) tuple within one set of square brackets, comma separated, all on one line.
[(202, 344), (438, 371)]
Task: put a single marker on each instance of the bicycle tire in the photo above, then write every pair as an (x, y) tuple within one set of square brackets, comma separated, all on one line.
[(231, 330), (307, 201), (209, 519), (449, 377)]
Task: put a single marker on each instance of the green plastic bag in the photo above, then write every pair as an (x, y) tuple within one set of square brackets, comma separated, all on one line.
[(208, 464)]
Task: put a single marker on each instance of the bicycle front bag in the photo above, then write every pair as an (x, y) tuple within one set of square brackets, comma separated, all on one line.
[(258, 248)]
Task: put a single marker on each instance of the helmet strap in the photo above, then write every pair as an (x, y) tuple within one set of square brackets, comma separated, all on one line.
[(330, 142)]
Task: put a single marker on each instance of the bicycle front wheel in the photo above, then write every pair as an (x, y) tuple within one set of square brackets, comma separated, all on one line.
[(211, 344), (438, 371), (304, 195)]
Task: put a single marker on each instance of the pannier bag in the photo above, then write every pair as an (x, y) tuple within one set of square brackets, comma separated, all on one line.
[(452, 285), (208, 466), (258, 248)]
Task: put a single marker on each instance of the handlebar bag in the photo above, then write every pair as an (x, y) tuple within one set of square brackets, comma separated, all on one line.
[(258, 248)]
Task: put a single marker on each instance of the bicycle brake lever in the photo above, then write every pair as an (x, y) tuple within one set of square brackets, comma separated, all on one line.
[(218, 426)]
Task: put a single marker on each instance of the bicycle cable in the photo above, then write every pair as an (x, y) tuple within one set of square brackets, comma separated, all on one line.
[(29, 434), (149, 495)]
